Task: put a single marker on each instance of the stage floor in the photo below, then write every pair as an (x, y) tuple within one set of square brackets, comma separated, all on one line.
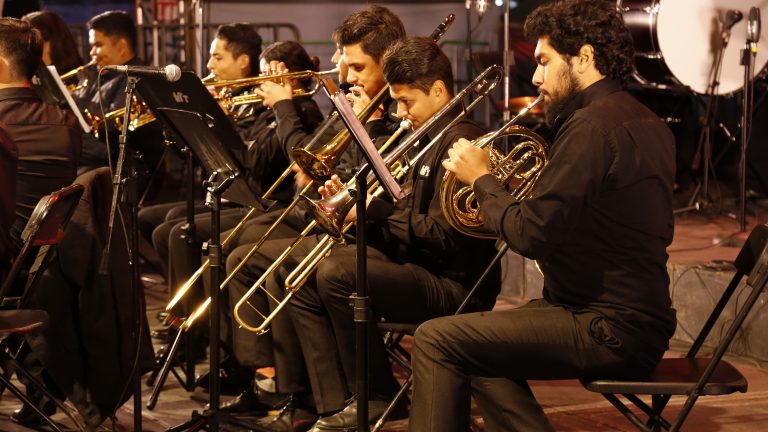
[(705, 239)]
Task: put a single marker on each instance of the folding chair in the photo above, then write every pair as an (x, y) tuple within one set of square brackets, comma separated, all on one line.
[(395, 332), (43, 232), (695, 375)]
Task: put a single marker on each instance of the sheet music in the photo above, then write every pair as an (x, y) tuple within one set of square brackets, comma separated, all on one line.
[(380, 168), (68, 97)]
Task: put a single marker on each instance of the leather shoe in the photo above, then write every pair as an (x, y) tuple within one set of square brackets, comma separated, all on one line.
[(346, 419), (231, 381), (27, 416), (255, 404), (288, 419)]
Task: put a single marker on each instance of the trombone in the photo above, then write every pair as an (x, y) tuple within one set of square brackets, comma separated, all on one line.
[(330, 213), (319, 165), (338, 143)]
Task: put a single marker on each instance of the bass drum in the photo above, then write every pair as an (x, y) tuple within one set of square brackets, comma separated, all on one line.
[(676, 41)]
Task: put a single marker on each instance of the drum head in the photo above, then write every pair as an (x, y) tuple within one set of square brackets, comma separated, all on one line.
[(689, 36)]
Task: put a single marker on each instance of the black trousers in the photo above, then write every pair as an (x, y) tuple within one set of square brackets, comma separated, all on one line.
[(280, 346), (491, 355), (323, 317)]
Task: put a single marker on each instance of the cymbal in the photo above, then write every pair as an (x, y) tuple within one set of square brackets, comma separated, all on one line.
[(520, 102)]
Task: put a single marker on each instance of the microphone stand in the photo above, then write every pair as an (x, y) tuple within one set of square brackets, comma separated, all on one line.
[(131, 199), (700, 198), (748, 55)]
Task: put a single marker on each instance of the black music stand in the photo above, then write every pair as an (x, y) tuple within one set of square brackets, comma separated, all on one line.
[(360, 300), (191, 113)]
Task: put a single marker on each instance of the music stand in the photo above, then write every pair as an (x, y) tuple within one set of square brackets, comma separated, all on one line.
[(54, 91), (360, 300), (191, 113)]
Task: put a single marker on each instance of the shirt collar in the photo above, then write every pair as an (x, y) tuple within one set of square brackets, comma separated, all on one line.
[(597, 90), (18, 93)]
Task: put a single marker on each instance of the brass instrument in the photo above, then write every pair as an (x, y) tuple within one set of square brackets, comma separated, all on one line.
[(75, 73), (518, 170), (318, 166), (140, 116), (258, 285), (341, 140), (329, 214), (232, 102)]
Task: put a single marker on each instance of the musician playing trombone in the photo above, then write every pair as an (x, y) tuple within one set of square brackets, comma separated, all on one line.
[(418, 265), (598, 222), (362, 38)]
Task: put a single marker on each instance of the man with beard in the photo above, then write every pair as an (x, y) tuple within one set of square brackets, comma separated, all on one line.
[(598, 222)]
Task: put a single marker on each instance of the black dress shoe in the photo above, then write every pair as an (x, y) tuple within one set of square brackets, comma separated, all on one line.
[(254, 404), (288, 419), (27, 416), (232, 382), (346, 419)]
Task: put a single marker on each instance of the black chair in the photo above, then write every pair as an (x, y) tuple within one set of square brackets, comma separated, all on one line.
[(42, 233), (696, 375)]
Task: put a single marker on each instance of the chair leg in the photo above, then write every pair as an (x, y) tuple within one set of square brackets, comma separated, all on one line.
[(403, 389), (40, 386), (623, 409), (22, 397)]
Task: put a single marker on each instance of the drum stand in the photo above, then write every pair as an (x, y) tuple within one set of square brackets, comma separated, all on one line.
[(700, 199)]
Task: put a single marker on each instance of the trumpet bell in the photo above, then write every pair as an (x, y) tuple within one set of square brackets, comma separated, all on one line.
[(516, 170)]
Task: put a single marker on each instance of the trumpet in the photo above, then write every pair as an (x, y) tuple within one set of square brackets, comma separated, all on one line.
[(231, 102), (318, 165), (75, 73), (330, 213)]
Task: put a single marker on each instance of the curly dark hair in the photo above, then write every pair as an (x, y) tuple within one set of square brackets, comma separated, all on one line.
[(571, 24)]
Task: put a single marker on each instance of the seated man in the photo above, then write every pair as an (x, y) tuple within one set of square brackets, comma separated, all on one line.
[(363, 37), (413, 251), (46, 137), (112, 36), (598, 222)]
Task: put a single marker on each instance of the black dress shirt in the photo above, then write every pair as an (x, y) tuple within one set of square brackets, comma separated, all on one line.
[(265, 157), (600, 216), (8, 158), (415, 230), (48, 143)]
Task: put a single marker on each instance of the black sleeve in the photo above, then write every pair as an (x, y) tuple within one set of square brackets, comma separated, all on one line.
[(579, 164), (292, 131)]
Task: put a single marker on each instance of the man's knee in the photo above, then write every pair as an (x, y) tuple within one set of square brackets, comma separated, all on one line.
[(335, 275)]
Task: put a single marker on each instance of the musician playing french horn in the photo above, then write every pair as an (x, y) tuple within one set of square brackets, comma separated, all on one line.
[(362, 38), (418, 265), (598, 223)]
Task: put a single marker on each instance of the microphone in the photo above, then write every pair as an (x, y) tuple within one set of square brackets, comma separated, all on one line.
[(753, 25), (731, 18), (170, 72)]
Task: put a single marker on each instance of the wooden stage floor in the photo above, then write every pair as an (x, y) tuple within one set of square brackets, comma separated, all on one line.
[(701, 239)]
